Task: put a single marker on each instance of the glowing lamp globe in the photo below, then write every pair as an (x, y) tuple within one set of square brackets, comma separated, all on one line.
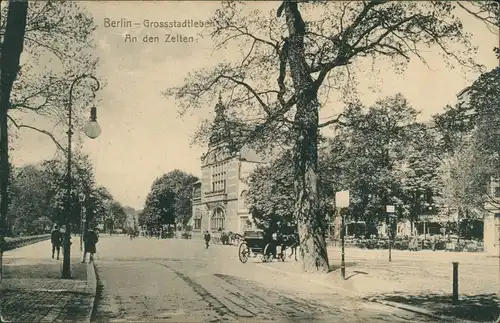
[(92, 128)]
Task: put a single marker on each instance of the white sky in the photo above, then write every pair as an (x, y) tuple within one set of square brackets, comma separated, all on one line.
[(142, 136)]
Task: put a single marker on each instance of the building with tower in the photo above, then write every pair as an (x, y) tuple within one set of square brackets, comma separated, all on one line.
[(219, 198)]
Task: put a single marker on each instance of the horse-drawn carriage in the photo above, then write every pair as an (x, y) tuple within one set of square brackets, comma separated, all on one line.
[(256, 243)]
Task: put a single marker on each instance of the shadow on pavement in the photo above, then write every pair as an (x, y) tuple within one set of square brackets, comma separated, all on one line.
[(356, 272), (337, 267), (478, 308)]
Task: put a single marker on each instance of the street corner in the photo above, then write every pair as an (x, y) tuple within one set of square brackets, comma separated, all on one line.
[(468, 308), (316, 282)]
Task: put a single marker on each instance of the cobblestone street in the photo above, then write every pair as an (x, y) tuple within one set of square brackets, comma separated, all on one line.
[(180, 281), (32, 290)]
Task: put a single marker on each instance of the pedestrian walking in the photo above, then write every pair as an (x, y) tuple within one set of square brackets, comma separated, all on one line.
[(56, 240), (90, 240), (207, 239)]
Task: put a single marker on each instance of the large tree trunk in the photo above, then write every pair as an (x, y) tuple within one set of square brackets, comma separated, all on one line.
[(10, 53), (311, 225), (11, 50)]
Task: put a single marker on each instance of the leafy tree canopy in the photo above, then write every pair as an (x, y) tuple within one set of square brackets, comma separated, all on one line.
[(169, 199)]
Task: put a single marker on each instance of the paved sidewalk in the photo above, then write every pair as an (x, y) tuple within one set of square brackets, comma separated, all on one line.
[(32, 290), (413, 279)]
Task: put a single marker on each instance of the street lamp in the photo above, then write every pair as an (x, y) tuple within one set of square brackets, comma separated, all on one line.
[(82, 219), (92, 130), (342, 201), (390, 209)]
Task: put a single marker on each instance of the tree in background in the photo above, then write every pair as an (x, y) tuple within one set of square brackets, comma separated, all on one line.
[(39, 201), (288, 67), (131, 218), (469, 134), (30, 209), (383, 156), (169, 201), (485, 102), (116, 217), (420, 185), (270, 195), (97, 205), (82, 186)]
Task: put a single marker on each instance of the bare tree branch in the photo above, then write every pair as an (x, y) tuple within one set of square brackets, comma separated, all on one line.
[(491, 22), (331, 122), (45, 132)]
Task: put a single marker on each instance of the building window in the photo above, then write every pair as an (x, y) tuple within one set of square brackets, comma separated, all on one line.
[(219, 177), (197, 224), (196, 192), (217, 220), (243, 200), (197, 220)]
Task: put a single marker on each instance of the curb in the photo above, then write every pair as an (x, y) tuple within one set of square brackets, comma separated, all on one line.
[(92, 284), (403, 307), (413, 309)]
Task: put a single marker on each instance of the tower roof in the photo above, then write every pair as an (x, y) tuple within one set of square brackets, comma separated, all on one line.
[(219, 130)]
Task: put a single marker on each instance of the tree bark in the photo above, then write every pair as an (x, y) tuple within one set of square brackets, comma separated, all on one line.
[(11, 50), (10, 54), (311, 225)]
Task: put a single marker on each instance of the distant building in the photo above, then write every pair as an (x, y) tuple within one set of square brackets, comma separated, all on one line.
[(220, 197)]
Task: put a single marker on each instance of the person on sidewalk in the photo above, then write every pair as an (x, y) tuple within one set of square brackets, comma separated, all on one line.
[(56, 238), (90, 239), (207, 239)]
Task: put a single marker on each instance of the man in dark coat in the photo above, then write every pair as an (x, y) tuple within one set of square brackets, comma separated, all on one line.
[(90, 239), (56, 238), (207, 239)]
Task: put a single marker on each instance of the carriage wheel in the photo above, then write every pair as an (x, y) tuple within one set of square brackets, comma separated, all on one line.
[(267, 255), (243, 252)]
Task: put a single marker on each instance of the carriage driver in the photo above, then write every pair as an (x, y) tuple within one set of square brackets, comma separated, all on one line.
[(275, 242)]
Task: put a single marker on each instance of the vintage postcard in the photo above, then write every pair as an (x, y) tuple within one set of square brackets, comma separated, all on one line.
[(249, 161)]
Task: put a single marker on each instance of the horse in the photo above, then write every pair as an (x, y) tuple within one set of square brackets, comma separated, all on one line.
[(291, 241)]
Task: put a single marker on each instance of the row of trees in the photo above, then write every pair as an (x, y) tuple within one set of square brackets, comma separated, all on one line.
[(293, 57), (38, 198), (383, 156), (169, 200)]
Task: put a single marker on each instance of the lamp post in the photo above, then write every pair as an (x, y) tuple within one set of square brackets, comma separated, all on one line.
[(390, 215), (342, 202), (82, 219), (92, 130)]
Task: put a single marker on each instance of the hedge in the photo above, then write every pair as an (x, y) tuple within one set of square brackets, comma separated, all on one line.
[(13, 243)]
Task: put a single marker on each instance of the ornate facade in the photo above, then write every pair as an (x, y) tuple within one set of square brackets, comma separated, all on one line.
[(219, 198)]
